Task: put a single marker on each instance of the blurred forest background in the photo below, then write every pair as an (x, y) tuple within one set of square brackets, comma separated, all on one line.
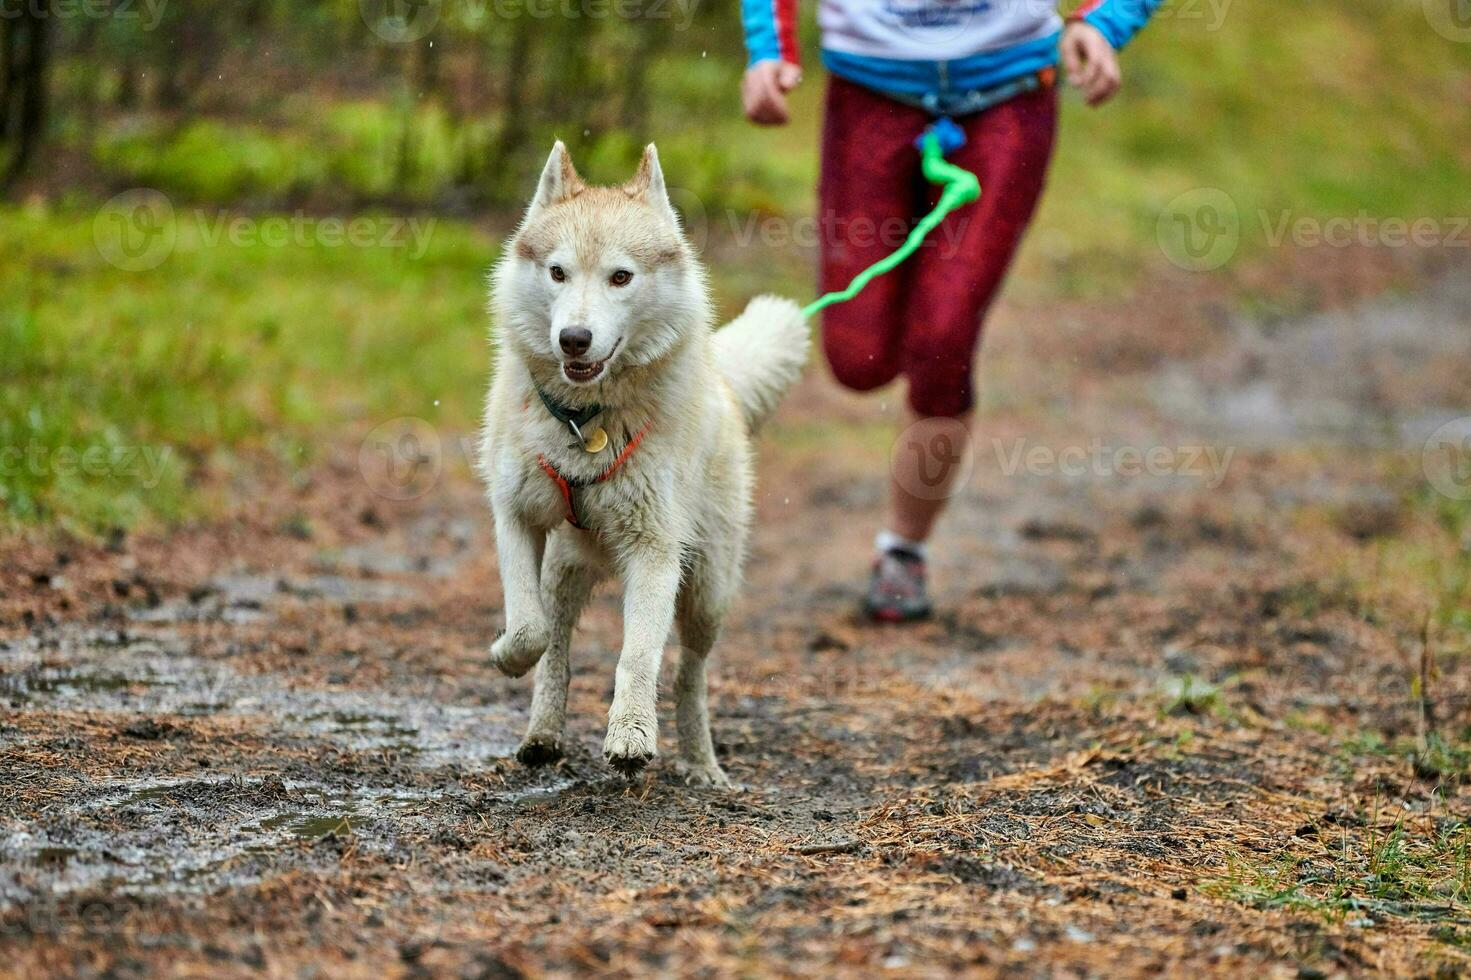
[(441, 111)]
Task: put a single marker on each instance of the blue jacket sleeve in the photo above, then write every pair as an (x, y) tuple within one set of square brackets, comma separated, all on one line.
[(1118, 20), (771, 30)]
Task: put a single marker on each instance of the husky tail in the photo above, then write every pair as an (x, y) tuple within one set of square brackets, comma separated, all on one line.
[(760, 353)]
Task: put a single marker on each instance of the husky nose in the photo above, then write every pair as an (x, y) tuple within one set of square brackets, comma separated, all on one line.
[(575, 340)]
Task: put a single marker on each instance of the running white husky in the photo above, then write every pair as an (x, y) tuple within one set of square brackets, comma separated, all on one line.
[(617, 441)]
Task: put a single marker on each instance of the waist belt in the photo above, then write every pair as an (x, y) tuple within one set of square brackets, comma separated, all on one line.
[(976, 100)]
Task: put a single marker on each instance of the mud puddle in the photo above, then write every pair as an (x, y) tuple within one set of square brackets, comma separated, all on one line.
[(115, 672), (241, 599), (161, 836)]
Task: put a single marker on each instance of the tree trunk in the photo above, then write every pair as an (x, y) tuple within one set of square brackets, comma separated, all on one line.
[(126, 97), (7, 63), (514, 110), (24, 41)]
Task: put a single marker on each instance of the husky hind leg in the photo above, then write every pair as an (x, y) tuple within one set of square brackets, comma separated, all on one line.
[(702, 601)]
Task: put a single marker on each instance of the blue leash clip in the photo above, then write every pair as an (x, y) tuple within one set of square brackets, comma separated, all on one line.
[(951, 136)]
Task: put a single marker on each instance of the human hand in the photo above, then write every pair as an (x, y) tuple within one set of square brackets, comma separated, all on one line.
[(764, 91), (1091, 62)]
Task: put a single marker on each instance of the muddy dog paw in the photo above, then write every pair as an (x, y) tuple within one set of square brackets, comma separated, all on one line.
[(629, 746), (539, 750), (519, 648)]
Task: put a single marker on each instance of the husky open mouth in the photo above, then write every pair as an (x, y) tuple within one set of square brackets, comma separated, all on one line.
[(581, 372)]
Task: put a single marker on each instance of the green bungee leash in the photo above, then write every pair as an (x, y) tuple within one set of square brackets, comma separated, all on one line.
[(960, 187)]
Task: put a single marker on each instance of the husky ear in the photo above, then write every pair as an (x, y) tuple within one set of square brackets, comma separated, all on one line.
[(648, 184), (559, 180)]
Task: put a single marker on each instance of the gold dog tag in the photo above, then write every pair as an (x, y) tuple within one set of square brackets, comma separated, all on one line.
[(595, 441)]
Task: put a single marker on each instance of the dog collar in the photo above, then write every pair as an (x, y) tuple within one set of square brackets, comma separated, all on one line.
[(569, 486), (573, 418)]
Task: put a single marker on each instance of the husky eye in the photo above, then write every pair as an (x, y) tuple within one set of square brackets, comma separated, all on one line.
[(558, 273), (621, 278)]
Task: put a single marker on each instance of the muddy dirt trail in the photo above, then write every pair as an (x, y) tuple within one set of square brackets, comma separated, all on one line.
[(272, 745)]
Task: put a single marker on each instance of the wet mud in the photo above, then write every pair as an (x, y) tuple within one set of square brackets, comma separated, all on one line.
[(247, 750)]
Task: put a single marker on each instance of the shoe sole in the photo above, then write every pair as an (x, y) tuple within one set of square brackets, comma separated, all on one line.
[(890, 615)]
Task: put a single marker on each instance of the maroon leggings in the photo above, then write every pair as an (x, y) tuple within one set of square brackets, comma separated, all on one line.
[(923, 319)]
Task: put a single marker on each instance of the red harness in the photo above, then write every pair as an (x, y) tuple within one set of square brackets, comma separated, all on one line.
[(569, 487)]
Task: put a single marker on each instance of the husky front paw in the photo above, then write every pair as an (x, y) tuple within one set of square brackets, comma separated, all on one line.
[(630, 745), (518, 649), (539, 750), (703, 774)]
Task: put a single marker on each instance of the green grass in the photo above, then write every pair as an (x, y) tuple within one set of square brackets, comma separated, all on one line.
[(1191, 695), (1361, 874), (1422, 571), (1443, 761), (1318, 111), (221, 345)]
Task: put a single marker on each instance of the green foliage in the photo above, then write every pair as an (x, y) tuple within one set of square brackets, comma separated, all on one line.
[(222, 345), (1191, 695), (367, 151), (1442, 760), (207, 160), (274, 107)]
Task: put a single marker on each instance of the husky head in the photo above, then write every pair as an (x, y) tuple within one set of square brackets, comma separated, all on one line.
[(598, 281)]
